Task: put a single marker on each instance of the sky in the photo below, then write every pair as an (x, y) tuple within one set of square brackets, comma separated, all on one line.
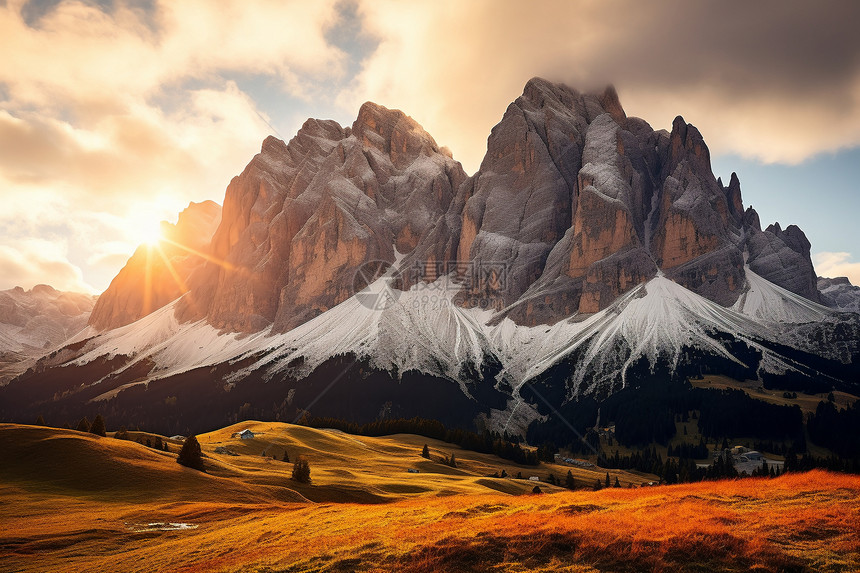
[(115, 114)]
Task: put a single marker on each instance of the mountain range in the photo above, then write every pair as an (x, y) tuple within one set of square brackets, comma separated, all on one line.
[(359, 272)]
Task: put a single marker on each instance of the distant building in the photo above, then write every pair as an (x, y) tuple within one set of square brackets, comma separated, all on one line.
[(751, 456), (245, 434), (534, 478), (412, 470)]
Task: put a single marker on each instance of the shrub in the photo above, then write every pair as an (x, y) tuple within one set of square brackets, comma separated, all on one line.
[(191, 455), (302, 471), (98, 427)]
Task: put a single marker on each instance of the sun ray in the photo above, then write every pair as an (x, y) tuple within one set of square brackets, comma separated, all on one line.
[(147, 282), (171, 269), (221, 263)]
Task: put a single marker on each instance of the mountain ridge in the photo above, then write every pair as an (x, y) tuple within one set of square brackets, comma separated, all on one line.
[(587, 253)]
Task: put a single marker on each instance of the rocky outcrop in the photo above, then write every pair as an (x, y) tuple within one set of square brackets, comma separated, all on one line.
[(697, 227), (158, 274), (783, 257), (304, 216), (575, 203), (839, 293)]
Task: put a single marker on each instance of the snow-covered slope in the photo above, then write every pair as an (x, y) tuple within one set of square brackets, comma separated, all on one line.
[(766, 301), (423, 330), (36, 321), (381, 334)]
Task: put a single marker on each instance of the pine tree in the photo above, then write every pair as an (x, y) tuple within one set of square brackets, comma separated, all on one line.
[(83, 425), (191, 455), (40, 421), (425, 453), (98, 427), (302, 471), (606, 482), (597, 485), (159, 445), (617, 483), (286, 458), (569, 482)]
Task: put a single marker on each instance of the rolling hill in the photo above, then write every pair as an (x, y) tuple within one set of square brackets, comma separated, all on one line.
[(127, 507)]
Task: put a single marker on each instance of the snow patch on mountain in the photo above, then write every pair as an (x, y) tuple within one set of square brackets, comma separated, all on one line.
[(423, 329), (767, 301)]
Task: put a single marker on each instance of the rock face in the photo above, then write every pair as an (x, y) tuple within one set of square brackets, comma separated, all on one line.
[(839, 293), (304, 216), (783, 258), (616, 237), (157, 274), (35, 321), (575, 203)]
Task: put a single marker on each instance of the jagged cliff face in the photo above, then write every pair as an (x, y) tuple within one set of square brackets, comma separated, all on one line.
[(574, 204), (617, 239), (783, 257), (839, 293), (578, 203), (304, 216), (157, 274)]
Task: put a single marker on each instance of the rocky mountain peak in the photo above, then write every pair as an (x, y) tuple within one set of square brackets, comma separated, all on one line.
[(303, 216), (751, 220), (686, 142), (156, 275), (574, 204), (392, 132), (610, 102), (783, 257), (733, 194), (839, 293)]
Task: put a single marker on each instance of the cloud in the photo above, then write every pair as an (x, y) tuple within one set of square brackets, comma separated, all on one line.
[(770, 80), (29, 263), (112, 115), (114, 112), (833, 265)]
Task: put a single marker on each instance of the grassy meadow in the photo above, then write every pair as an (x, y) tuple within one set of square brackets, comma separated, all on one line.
[(74, 502)]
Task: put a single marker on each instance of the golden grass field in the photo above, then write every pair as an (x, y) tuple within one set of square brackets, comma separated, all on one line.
[(74, 502)]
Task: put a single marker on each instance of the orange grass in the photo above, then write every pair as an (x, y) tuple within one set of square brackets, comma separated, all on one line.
[(805, 522)]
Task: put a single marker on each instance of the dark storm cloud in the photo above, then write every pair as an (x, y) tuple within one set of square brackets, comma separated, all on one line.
[(773, 80)]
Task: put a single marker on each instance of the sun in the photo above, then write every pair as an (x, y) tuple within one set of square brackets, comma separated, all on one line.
[(150, 235), (144, 227), (145, 232)]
